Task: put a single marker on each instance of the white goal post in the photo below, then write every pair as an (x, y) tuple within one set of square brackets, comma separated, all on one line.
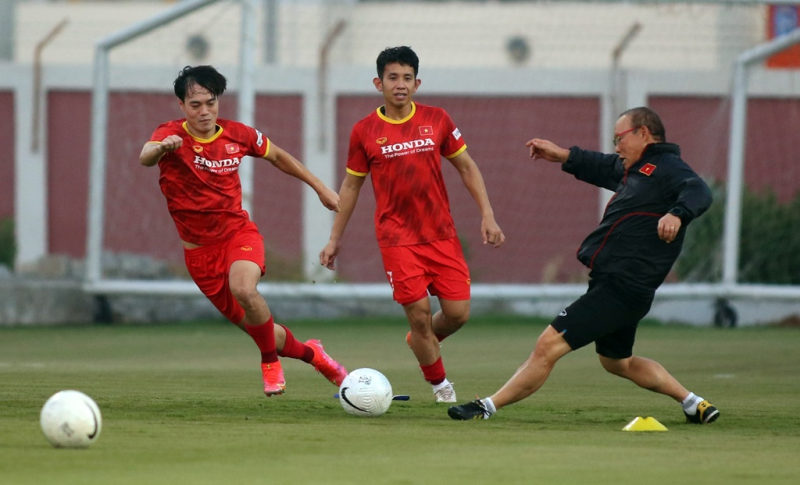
[(738, 132), (97, 172)]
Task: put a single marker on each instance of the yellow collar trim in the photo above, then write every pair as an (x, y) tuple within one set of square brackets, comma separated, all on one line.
[(397, 122), (203, 140)]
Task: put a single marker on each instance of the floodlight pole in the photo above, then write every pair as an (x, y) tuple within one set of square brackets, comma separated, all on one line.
[(36, 124), (736, 146)]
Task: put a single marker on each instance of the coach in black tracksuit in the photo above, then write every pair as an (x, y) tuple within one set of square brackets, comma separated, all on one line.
[(627, 242), (629, 254), (633, 249)]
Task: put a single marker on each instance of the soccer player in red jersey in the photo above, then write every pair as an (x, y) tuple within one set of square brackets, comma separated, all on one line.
[(199, 158), (401, 144)]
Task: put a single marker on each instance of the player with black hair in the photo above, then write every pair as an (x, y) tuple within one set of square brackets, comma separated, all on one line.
[(402, 55), (401, 144), (199, 158), (205, 77)]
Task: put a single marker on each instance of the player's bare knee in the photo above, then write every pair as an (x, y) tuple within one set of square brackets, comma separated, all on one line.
[(420, 323), (543, 354), (550, 346), (543, 351), (618, 367), (457, 319), (246, 295)]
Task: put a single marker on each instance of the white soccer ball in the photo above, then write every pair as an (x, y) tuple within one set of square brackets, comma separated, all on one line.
[(71, 419), (365, 392)]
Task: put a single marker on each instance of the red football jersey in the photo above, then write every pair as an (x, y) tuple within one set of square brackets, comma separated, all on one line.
[(404, 158), (200, 180)]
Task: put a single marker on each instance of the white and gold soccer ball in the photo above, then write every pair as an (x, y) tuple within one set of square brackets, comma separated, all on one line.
[(71, 419), (365, 392)]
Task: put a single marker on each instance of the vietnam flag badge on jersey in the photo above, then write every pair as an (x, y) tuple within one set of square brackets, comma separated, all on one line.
[(232, 148), (426, 130), (648, 169)]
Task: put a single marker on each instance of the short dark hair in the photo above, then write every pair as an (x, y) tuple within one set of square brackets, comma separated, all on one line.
[(205, 76), (643, 116), (402, 55)]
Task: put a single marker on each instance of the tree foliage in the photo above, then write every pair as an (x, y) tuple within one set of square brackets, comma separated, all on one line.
[(769, 250), (8, 246)]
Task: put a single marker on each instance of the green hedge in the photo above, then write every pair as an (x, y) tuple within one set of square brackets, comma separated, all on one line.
[(8, 246), (769, 251)]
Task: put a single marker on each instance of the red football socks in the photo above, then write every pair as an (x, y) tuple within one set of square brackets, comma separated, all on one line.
[(264, 337), (295, 349), (434, 373)]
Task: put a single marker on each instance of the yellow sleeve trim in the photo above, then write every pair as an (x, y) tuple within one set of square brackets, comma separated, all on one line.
[(357, 174), (269, 145), (459, 152)]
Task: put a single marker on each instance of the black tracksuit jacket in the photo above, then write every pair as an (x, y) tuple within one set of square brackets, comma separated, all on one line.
[(626, 244)]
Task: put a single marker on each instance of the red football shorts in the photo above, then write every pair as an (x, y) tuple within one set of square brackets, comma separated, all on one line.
[(209, 267), (436, 267)]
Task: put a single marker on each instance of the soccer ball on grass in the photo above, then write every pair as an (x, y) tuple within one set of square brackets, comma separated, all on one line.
[(365, 392), (71, 419)]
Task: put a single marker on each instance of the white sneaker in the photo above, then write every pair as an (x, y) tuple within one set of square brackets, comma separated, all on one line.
[(446, 394)]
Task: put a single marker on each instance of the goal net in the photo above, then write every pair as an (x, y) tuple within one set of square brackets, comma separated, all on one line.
[(506, 72)]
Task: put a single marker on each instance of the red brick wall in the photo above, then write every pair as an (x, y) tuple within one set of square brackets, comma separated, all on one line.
[(544, 212), (277, 203), (7, 131), (701, 126), (68, 127)]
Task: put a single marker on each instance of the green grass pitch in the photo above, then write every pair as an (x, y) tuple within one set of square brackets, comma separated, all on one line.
[(183, 404)]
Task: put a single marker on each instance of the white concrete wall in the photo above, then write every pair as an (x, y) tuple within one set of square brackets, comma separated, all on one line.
[(451, 34)]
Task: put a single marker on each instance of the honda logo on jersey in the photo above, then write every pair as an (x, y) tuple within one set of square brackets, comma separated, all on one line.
[(217, 166), (406, 145)]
